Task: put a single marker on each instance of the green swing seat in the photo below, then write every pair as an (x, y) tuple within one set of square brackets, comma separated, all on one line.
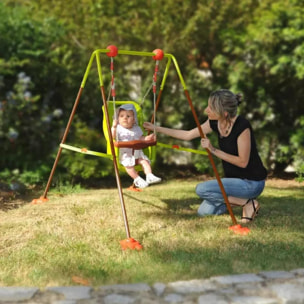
[(148, 147)]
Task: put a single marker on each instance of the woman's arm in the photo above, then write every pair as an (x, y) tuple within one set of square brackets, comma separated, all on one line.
[(244, 146), (179, 134)]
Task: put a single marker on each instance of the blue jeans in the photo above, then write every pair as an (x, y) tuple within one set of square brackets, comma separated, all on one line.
[(213, 200)]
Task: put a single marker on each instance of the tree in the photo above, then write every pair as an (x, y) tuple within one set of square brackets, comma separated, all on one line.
[(266, 62), (34, 73)]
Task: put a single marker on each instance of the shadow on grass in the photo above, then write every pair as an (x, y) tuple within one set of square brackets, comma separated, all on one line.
[(274, 243), (16, 200), (283, 211)]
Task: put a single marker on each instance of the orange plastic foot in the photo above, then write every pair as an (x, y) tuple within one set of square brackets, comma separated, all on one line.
[(40, 200), (133, 188), (238, 229), (130, 243)]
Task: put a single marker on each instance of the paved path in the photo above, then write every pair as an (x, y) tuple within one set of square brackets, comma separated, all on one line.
[(272, 287)]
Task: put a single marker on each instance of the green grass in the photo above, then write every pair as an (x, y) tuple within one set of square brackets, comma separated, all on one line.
[(78, 234)]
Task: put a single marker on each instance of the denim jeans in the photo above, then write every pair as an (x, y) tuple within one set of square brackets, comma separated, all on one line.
[(213, 200)]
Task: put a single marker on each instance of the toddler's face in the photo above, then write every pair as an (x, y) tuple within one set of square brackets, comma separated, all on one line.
[(126, 118)]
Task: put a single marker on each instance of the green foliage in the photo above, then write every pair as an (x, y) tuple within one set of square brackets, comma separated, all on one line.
[(249, 46), (29, 123), (297, 148), (26, 177), (300, 172), (66, 186), (264, 61), (23, 124)]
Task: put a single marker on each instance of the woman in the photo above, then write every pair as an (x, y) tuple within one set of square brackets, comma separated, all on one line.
[(244, 172)]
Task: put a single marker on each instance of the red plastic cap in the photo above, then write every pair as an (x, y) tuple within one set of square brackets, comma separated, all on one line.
[(113, 51), (159, 54)]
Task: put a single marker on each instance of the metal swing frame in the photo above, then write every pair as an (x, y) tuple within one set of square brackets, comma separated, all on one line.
[(130, 242)]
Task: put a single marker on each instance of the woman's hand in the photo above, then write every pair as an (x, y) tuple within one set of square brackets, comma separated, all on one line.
[(205, 142), (148, 126)]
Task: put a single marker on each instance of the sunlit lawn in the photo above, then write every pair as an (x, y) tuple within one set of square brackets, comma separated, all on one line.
[(77, 234)]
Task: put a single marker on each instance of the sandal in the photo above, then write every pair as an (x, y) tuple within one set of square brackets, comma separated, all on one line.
[(256, 208)]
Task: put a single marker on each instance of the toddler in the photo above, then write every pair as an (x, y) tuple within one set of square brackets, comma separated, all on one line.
[(125, 128)]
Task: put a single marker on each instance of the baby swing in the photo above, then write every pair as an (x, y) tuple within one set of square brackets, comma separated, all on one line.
[(147, 146), (109, 108)]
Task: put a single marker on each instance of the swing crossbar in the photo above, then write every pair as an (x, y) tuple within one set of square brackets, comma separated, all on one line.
[(85, 151)]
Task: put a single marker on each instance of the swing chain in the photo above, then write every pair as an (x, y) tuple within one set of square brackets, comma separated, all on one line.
[(154, 94), (112, 80), (112, 91), (155, 76)]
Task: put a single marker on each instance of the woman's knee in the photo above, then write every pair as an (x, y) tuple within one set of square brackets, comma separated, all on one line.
[(201, 189), (205, 208)]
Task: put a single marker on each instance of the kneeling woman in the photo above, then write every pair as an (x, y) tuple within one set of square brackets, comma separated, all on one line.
[(244, 172)]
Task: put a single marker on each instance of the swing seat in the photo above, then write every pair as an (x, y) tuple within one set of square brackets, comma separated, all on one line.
[(148, 146)]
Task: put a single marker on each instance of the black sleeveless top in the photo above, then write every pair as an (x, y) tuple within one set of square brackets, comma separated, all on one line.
[(255, 169)]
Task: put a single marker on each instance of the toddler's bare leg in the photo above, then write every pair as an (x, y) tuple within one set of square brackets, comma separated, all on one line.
[(132, 172), (145, 165)]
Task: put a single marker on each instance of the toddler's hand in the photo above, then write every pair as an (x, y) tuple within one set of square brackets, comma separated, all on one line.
[(150, 137), (115, 123)]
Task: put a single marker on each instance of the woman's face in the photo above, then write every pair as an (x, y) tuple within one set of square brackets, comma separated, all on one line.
[(126, 118), (211, 114)]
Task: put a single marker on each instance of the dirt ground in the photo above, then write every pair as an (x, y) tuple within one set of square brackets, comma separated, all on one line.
[(284, 183)]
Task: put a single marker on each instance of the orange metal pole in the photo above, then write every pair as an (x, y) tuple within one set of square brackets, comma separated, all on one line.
[(115, 162), (209, 154), (62, 141)]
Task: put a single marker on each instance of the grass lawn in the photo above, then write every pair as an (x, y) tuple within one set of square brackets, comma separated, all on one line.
[(75, 237)]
